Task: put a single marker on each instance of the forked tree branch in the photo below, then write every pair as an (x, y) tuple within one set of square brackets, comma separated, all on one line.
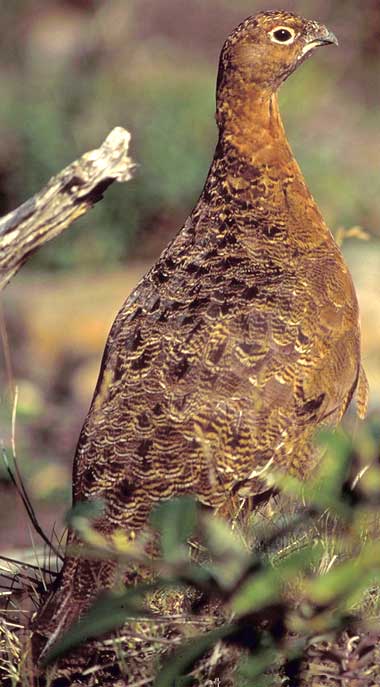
[(67, 196)]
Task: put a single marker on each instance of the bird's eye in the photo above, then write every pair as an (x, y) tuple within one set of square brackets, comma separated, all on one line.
[(283, 35)]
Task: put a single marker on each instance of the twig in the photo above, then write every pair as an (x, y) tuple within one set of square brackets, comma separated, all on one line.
[(14, 561), (19, 486), (11, 578), (6, 351), (66, 197), (14, 414)]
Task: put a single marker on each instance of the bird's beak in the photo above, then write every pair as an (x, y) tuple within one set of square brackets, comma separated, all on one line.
[(328, 38), (318, 38)]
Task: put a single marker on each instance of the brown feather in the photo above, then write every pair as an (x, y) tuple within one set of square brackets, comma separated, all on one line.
[(240, 341)]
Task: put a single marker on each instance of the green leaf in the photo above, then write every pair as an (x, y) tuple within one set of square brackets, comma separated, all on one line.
[(334, 585), (109, 612), (85, 510), (325, 489), (315, 493), (335, 465), (230, 557), (198, 575), (184, 658), (255, 665), (348, 580), (261, 681), (176, 521), (264, 588)]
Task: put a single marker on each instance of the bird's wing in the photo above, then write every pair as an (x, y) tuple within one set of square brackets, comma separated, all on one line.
[(213, 366)]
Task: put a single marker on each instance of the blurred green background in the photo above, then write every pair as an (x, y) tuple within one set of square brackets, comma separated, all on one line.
[(70, 70)]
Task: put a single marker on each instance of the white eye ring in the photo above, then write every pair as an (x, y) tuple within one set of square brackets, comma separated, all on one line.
[(287, 41)]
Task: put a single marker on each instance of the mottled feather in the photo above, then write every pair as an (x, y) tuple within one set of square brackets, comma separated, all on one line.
[(240, 341)]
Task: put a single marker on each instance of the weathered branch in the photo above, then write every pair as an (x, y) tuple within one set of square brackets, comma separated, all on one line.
[(66, 197)]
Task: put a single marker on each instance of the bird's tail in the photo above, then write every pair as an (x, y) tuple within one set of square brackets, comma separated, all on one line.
[(71, 595)]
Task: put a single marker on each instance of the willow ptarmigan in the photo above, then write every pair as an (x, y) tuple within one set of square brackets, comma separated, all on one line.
[(240, 341)]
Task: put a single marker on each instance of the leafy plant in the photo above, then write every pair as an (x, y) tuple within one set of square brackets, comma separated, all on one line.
[(271, 603)]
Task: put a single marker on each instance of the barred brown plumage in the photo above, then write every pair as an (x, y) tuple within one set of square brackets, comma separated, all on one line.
[(240, 341)]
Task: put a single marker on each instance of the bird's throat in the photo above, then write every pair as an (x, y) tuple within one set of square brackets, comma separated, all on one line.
[(254, 168), (250, 122)]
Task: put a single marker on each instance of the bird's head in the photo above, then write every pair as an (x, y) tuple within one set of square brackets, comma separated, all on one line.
[(265, 49)]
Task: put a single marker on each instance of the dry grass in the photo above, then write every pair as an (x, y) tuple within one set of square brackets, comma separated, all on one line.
[(131, 657), (350, 660)]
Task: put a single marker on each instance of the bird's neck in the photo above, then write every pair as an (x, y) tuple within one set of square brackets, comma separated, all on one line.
[(250, 123), (254, 175)]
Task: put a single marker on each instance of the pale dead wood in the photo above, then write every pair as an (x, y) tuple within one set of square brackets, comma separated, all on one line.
[(67, 196)]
